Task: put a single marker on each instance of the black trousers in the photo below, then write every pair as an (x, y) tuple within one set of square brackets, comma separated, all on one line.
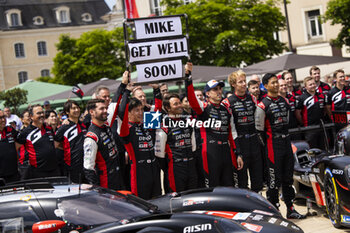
[(182, 175), (281, 166), (145, 179), (252, 158), (217, 165)]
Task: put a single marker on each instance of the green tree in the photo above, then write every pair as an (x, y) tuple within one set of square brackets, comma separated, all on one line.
[(95, 55), (227, 32), (14, 98), (338, 13)]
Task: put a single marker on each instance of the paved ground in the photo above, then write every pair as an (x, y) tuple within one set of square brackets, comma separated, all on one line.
[(313, 224)]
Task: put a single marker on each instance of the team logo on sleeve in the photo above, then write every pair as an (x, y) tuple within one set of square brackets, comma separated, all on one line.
[(151, 120)]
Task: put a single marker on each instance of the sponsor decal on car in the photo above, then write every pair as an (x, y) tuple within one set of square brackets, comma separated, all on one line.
[(337, 172), (345, 219), (194, 202), (252, 227), (272, 220), (262, 212), (283, 223), (198, 228), (258, 217)]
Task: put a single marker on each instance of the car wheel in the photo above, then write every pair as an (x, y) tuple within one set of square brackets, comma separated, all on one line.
[(332, 201)]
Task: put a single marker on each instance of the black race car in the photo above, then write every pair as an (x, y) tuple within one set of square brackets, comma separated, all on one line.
[(325, 177), (45, 206)]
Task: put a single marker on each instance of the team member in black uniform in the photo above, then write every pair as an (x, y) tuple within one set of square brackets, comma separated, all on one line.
[(283, 91), (8, 155), (139, 143), (292, 90), (243, 107), (101, 155), (70, 138), (338, 98), (176, 143), (38, 139), (271, 119), (218, 147), (310, 110), (322, 87)]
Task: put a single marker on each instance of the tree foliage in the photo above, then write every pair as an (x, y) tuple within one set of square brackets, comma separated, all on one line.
[(227, 32), (338, 13), (95, 55), (14, 98)]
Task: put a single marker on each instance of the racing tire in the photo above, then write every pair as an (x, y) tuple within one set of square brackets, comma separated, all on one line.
[(332, 200)]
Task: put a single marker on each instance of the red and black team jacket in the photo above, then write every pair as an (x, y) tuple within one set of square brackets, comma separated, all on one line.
[(339, 99), (40, 146), (213, 136), (312, 108), (323, 88), (72, 137), (8, 154)]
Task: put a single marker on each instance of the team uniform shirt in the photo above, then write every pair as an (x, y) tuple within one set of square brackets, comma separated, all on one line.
[(296, 92), (139, 143), (216, 140), (272, 114), (271, 118), (293, 123), (40, 146), (72, 137), (323, 88), (312, 108), (8, 155), (101, 158), (177, 144), (243, 109), (339, 99)]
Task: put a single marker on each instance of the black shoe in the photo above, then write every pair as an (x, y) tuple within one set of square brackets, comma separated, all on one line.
[(293, 214)]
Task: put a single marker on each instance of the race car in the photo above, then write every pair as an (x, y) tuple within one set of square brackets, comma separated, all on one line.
[(46, 206), (325, 177)]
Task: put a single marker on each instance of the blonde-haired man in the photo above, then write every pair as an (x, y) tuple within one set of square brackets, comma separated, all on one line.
[(242, 106)]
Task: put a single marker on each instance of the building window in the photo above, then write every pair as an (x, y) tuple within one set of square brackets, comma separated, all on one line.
[(22, 76), (86, 17), (42, 48), (14, 20), (45, 73), (314, 24), (13, 17), (19, 50), (38, 20), (155, 7), (62, 14)]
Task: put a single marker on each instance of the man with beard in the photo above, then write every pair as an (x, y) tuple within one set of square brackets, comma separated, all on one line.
[(271, 121), (70, 138), (38, 139), (321, 87), (218, 148), (101, 156)]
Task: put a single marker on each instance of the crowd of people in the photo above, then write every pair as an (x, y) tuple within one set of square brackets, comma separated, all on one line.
[(108, 144)]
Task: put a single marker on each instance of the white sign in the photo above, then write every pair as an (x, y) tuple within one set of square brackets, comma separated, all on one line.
[(158, 27), (159, 71), (144, 51)]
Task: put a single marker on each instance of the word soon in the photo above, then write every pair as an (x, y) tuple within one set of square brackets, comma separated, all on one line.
[(163, 70)]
